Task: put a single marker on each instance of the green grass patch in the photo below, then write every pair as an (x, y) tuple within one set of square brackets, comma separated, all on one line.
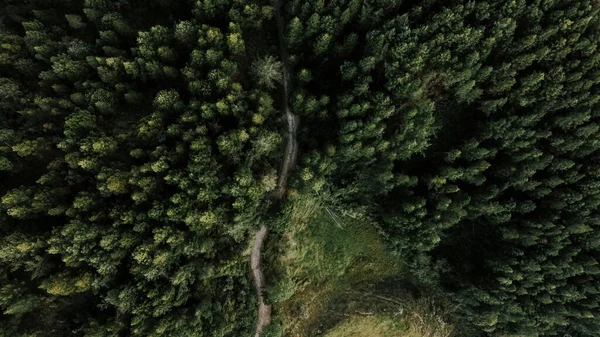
[(329, 266), (370, 326), (330, 275)]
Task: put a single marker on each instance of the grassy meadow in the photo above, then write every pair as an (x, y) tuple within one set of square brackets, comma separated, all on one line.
[(334, 277)]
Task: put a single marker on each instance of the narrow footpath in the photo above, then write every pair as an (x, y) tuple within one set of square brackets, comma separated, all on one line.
[(288, 163)]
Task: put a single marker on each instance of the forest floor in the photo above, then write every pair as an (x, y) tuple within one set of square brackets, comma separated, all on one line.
[(334, 277)]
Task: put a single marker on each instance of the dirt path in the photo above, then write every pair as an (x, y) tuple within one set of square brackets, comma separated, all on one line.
[(291, 152), (264, 311), (288, 163)]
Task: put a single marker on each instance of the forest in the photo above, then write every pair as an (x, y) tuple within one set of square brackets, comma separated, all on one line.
[(408, 159)]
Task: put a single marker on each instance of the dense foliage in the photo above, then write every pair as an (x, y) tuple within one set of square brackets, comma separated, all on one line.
[(470, 129), (140, 142), (135, 153)]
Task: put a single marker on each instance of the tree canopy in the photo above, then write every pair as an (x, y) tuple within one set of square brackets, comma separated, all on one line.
[(141, 141)]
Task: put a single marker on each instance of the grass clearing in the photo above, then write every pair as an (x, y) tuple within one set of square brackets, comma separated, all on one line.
[(333, 277), (419, 318), (326, 265), (369, 326)]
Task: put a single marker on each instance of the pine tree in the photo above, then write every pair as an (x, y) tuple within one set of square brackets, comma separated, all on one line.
[(119, 125)]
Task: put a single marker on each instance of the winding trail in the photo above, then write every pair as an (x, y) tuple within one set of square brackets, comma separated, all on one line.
[(288, 163), (291, 152), (264, 311)]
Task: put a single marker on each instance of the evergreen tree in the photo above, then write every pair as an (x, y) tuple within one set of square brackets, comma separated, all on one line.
[(130, 179), (467, 129)]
